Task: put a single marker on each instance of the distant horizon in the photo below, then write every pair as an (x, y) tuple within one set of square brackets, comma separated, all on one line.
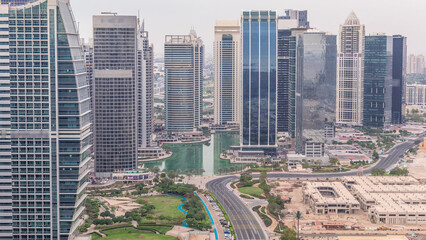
[(167, 17)]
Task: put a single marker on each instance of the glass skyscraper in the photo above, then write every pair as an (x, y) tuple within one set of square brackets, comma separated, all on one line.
[(398, 75), (259, 45), (319, 79), (45, 121), (377, 80)]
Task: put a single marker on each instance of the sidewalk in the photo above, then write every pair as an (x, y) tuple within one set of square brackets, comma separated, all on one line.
[(215, 217)]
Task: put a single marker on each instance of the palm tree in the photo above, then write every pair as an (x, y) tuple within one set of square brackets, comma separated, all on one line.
[(201, 171), (220, 170), (188, 174), (194, 172), (298, 216)]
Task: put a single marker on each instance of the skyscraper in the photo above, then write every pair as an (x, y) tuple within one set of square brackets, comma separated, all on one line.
[(290, 23), (350, 72), (286, 79), (259, 100), (378, 80), (319, 79), (295, 18), (398, 75), (227, 75), (183, 63), (45, 115), (115, 87), (5, 127), (145, 88)]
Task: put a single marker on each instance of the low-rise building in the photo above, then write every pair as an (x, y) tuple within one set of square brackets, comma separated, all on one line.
[(390, 200), (329, 198)]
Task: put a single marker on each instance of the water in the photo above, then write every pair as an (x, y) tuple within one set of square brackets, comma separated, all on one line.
[(195, 156)]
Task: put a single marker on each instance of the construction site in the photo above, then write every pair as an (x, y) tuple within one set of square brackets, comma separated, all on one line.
[(373, 205)]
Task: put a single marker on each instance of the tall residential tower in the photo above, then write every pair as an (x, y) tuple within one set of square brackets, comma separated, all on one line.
[(227, 75), (350, 72), (145, 88), (183, 63), (115, 77), (45, 121)]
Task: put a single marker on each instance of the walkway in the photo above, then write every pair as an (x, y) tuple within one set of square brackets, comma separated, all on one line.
[(217, 227)]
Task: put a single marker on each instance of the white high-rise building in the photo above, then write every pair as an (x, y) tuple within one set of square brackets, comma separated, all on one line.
[(227, 84), (350, 72), (145, 88)]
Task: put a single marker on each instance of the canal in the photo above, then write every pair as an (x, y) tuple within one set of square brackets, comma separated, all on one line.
[(196, 156)]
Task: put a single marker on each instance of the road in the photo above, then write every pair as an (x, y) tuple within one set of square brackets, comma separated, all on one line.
[(243, 220), (245, 223)]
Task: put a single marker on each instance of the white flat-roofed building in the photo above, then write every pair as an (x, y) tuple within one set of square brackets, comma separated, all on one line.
[(329, 198), (390, 200)]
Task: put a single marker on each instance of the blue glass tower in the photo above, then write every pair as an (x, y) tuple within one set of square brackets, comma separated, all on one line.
[(259, 44), (398, 75), (377, 80)]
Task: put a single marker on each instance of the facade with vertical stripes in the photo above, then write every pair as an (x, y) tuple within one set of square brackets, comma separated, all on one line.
[(259, 79)]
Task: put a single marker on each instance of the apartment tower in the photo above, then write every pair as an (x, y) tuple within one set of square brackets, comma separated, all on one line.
[(183, 63), (115, 78), (145, 88), (350, 72), (45, 121), (227, 76)]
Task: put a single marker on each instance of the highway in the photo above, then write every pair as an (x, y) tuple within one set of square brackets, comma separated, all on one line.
[(243, 220)]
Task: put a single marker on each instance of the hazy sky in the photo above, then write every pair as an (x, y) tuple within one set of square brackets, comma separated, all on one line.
[(406, 17)]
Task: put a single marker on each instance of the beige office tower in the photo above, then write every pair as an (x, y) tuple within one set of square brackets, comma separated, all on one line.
[(350, 72), (227, 69)]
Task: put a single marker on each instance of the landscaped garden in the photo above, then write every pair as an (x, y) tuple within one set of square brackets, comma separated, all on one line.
[(130, 233)]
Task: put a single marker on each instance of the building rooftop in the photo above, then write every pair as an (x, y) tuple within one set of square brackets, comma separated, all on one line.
[(352, 19)]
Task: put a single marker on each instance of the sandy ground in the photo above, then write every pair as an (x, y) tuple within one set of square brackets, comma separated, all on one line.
[(200, 181), (182, 233), (121, 204), (418, 167)]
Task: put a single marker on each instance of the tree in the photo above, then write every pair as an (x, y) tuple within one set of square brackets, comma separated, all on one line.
[(399, 172), (378, 172), (375, 155), (171, 174), (333, 161), (155, 170), (298, 216), (288, 234), (220, 170), (201, 171)]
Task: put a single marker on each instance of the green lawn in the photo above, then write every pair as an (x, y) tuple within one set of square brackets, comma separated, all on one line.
[(166, 206), (251, 190), (130, 234)]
